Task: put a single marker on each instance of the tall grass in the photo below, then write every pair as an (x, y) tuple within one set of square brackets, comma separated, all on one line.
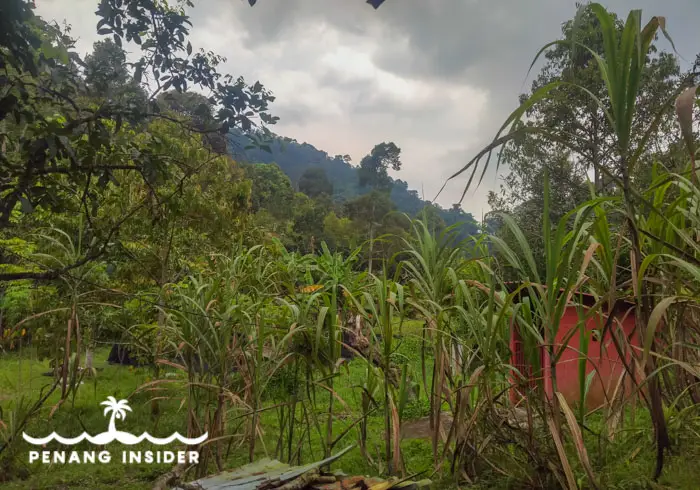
[(651, 222)]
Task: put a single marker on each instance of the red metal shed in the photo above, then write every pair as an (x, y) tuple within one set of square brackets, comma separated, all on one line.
[(603, 357)]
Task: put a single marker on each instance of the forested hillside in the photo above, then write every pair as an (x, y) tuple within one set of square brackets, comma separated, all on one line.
[(295, 158)]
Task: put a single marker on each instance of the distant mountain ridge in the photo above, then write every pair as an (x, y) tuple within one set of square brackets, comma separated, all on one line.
[(295, 158)]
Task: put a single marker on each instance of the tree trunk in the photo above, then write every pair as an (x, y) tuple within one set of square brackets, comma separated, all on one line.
[(66, 357)]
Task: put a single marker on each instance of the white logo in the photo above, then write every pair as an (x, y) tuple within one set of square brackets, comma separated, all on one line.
[(118, 411)]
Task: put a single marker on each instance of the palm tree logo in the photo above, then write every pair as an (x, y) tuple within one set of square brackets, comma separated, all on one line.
[(118, 410)]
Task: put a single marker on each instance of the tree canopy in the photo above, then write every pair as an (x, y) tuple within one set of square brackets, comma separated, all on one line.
[(314, 182), (66, 121), (373, 170), (585, 147)]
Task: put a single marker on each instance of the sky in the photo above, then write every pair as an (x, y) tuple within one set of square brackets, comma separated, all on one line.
[(437, 77)]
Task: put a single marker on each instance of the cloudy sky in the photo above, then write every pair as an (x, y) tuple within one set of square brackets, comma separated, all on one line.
[(437, 77)]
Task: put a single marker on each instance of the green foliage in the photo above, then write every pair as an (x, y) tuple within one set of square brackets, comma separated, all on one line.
[(575, 109), (373, 170), (431, 216), (340, 233), (272, 189), (369, 208), (64, 133), (107, 77), (567, 254), (308, 224), (315, 183)]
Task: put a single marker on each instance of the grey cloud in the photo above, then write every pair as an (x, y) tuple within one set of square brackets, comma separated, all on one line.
[(422, 38), (276, 20), (445, 38), (344, 82), (293, 114), (487, 43), (372, 103), (364, 97), (461, 52)]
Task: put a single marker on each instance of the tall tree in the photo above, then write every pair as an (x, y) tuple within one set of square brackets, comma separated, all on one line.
[(60, 149), (272, 190), (339, 233), (105, 68), (314, 182), (587, 141), (107, 77), (373, 173), (370, 213), (373, 170), (198, 111), (468, 226), (585, 147), (430, 215), (308, 221)]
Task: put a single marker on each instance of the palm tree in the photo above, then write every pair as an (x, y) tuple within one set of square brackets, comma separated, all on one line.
[(118, 409)]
